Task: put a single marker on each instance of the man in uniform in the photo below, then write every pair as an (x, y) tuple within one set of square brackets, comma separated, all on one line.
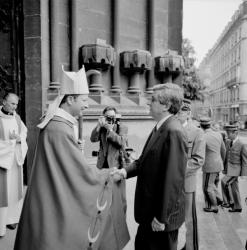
[(69, 204), (213, 165), (235, 165), (13, 149), (196, 157)]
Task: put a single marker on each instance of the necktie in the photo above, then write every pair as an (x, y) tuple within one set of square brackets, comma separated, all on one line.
[(153, 133), (231, 144)]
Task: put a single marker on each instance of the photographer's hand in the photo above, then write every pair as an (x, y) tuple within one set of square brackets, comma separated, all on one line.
[(101, 122), (108, 126)]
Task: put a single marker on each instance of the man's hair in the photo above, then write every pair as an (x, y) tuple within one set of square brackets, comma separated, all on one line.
[(108, 108), (66, 97), (169, 94), (7, 94)]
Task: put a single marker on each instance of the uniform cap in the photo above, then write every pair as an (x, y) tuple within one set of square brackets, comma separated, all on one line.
[(231, 127), (205, 120)]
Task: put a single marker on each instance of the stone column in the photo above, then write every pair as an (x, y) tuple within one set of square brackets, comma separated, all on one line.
[(150, 43), (134, 64), (54, 24), (115, 43), (95, 81), (37, 70), (134, 83), (74, 35), (59, 44)]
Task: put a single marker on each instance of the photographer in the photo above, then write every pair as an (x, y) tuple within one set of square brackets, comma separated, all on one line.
[(112, 136)]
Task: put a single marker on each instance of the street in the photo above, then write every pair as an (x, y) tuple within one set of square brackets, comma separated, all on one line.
[(222, 231)]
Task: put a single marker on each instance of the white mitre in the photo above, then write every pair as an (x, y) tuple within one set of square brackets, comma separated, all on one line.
[(72, 83)]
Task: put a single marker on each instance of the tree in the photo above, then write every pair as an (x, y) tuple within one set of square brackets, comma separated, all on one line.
[(193, 86)]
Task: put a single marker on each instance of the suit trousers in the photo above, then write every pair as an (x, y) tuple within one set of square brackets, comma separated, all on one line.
[(210, 190), (230, 191), (191, 222), (146, 239)]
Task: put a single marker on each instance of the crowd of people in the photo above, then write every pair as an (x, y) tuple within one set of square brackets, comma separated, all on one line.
[(72, 205)]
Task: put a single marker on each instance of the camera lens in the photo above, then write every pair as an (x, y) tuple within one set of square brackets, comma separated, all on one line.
[(110, 119)]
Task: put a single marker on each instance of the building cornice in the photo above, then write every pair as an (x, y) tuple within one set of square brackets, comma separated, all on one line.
[(238, 17)]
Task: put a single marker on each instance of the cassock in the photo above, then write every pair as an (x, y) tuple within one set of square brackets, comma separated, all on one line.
[(12, 155), (69, 204)]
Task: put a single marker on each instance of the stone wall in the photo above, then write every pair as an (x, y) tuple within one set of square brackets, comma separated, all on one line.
[(56, 30)]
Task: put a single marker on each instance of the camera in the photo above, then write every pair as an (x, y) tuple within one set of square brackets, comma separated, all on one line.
[(118, 118), (95, 153), (112, 119)]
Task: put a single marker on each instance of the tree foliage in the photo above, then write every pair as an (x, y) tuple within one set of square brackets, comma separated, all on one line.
[(193, 86)]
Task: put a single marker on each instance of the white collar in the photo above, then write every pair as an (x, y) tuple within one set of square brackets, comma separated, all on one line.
[(185, 123), (64, 114), (159, 123), (6, 116)]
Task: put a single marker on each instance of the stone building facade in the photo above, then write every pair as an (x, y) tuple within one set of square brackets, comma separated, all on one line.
[(126, 46), (226, 65)]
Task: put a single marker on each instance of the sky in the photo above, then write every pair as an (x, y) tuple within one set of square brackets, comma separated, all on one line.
[(204, 21)]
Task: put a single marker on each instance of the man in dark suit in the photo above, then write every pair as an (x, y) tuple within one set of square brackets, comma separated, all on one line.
[(235, 165), (160, 171)]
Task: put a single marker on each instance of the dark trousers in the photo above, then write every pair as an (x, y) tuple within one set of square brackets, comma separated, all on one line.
[(210, 190), (146, 239), (191, 222), (230, 191)]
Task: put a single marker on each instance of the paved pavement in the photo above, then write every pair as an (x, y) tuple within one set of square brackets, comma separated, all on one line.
[(222, 231)]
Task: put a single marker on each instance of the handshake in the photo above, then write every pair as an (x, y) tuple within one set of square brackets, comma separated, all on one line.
[(118, 174)]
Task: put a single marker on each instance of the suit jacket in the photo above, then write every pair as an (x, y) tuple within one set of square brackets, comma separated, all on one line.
[(110, 144), (236, 159), (196, 155), (215, 152), (160, 174)]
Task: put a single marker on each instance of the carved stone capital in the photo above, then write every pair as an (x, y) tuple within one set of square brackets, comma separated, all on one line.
[(170, 63), (97, 56)]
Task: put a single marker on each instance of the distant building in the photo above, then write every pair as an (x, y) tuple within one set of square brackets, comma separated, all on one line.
[(226, 67)]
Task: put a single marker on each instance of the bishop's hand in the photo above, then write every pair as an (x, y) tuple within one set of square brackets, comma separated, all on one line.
[(118, 174)]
